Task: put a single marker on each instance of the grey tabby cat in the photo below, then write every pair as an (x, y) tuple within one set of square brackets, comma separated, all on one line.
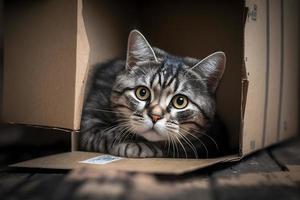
[(154, 105)]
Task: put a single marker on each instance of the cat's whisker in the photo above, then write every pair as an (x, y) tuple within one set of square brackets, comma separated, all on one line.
[(124, 136), (122, 120), (94, 123), (128, 132), (88, 142), (178, 154), (116, 125), (132, 138), (133, 134), (175, 145), (198, 140), (110, 128), (171, 138), (214, 141), (118, 138), (168, 142), (182, 146), (189, 143), (202, 143), (125, 127), (115, 137)]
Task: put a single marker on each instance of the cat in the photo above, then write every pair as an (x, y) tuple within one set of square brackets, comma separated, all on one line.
[(154, 104)]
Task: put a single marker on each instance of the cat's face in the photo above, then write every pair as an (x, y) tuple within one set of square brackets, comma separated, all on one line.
[(162, 97)]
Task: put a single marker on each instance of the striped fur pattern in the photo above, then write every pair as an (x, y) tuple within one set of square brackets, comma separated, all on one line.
[(154, 105)]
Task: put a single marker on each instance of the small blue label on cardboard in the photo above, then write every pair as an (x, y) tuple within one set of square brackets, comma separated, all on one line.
[(101, 160)]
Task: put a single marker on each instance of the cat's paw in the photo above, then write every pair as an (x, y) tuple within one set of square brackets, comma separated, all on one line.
[(138, 150)]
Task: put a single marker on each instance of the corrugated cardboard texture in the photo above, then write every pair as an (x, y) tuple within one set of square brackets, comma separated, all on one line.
[(255, 57), (289, 108), (99, 35), (272, 104), (272, 62), (197, 29), (72, 160), (49, 47), (39, 62)]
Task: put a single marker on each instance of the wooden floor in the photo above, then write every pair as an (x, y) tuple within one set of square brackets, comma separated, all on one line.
[(273, 173)]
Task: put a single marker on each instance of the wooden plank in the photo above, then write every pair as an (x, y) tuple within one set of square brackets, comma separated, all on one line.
[(236, 181), (94, 184), (9, 182), (293, 168), (259, 162), (288, 155), (120, 185), (278, 185), (40, 186), (36, 186)]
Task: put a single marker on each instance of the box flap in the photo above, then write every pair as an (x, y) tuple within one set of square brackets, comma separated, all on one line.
[(274, 78), (288, 122), (256, 59), (271, 55), (96, 44), (71, 160), (39, 60)]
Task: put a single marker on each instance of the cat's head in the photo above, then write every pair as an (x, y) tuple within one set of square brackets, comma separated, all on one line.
[(164, 97)]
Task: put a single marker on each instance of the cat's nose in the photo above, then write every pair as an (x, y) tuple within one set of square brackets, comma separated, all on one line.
[(155, 113), (155, 118)]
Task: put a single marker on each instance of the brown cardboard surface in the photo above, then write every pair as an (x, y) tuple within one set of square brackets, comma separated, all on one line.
[(49, 48), (59, 102), (289, 108), (272, 62), (272, 114), (39, 60), (82, 65), (71, 160), (255, 57), (96, 44), (51, 45)]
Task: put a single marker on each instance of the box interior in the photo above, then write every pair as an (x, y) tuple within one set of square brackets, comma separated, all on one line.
[(51, 46), (188, 28), (182, 28)]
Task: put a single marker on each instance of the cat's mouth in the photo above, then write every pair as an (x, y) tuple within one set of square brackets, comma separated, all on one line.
[(153, 135)]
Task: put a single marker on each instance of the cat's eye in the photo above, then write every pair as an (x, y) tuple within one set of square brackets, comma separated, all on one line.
[(142, 93), (180, 101)]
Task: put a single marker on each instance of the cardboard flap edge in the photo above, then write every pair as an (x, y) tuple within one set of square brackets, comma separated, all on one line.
[(71, 160)]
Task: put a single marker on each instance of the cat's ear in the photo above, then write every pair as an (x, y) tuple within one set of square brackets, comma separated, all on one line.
[(211, 69), (138, 50)]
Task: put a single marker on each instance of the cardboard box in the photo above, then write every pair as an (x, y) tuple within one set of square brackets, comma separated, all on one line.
[(50, 45)]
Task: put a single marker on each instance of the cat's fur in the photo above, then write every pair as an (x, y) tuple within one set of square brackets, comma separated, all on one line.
[(116, 121)]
